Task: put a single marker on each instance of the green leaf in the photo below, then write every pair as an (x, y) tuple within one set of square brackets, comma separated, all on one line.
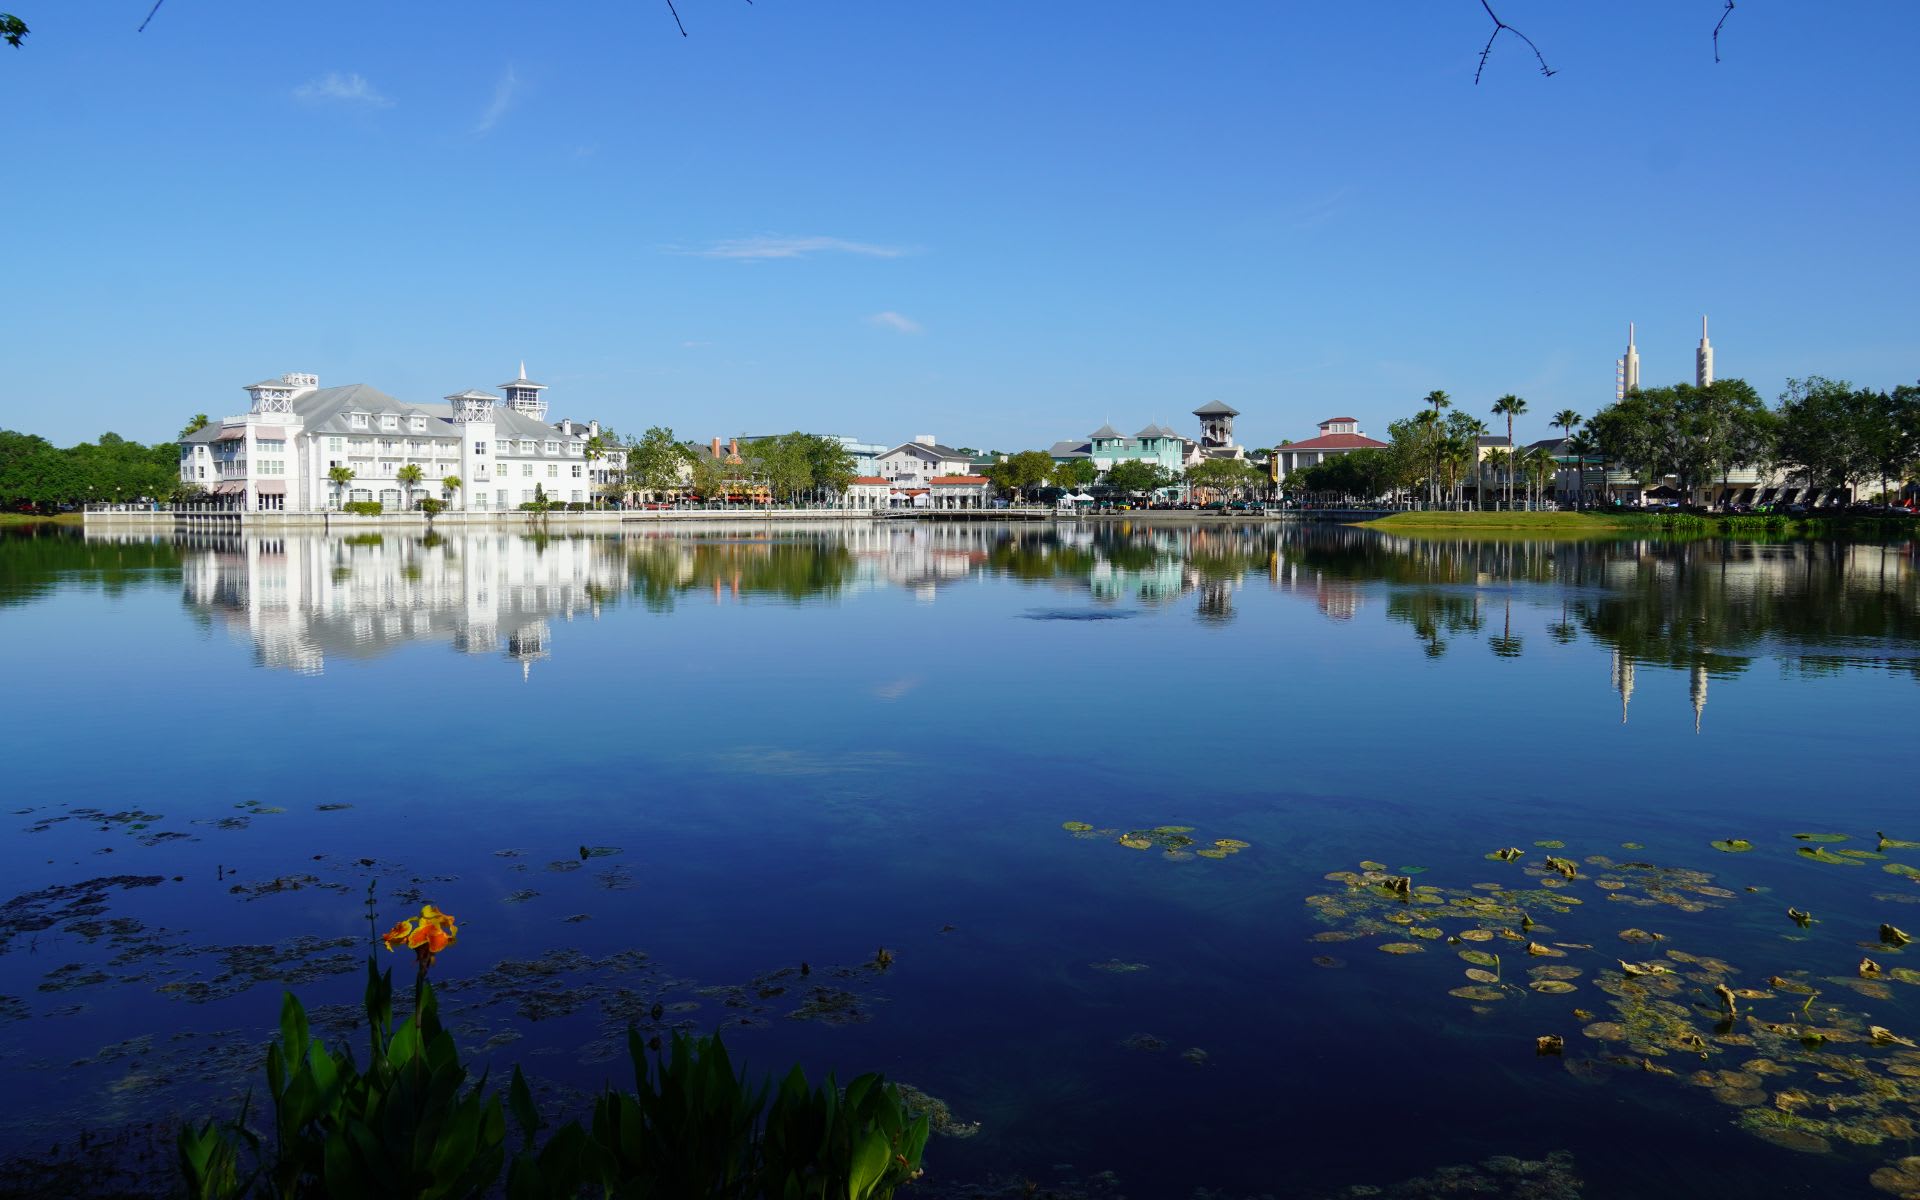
[(869, 1164)]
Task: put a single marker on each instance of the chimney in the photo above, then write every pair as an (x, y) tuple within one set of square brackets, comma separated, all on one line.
[(733, 447), (716, 447), (593, 429), (566, 426)]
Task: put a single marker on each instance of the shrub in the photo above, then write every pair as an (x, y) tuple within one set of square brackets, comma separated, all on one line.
[(433, 506), (362, 508)]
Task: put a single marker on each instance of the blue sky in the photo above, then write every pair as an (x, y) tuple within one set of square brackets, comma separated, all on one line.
[(1001, 223)]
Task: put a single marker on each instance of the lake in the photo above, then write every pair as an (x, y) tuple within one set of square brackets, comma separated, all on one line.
[(1178, 836)]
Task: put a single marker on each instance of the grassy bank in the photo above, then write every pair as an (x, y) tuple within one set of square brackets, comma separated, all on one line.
[(1670, 524), (31, 519), (1565, 523)]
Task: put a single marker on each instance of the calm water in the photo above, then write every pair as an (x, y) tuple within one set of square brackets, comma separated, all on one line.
[(776, 749)]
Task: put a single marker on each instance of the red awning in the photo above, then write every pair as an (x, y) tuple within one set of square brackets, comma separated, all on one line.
[(232, 435), (229, 489), (269, 487)]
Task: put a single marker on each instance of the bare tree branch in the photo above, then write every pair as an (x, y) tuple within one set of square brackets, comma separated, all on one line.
[(676, 17), (1500, 27), (1724, 14), (150, 12)]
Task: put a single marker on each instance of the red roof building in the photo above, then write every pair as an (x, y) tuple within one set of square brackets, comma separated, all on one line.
[(1338, 435)]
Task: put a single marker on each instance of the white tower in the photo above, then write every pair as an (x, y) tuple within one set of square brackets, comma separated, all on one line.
[(1703, 358), (523, 395), (1626, 369)]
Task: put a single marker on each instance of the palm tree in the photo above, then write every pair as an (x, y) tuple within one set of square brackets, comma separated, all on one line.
[(339, 477), (591, 449), (1509, 406), (408, 477), (1566, 421), (1439, 400), (1500, 461), (450, 483)]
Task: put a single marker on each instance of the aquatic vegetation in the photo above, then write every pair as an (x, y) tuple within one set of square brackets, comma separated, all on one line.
[(1114, 966), (409, 1124), (1733, 845), (1550, 1044), (1823, 855), (1510, 854), (1894, 936), (1173, 840), (1800, 918)]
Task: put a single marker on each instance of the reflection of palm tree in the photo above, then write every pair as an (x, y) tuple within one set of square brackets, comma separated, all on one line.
[(1506, 645)]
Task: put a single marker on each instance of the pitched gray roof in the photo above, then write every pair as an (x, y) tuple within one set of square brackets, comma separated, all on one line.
[(1216, 408), (1106, 431), (1156, 431), (264, 383), (1070, 449), (520, 383), (935, 451), (206, 433), (325, 411)]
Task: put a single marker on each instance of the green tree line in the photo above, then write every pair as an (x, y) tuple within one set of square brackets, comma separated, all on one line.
[(37, 476)]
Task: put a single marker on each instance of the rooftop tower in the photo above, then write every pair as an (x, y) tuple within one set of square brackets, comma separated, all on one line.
[(523, 395), (1703, 358), (1626, 370)]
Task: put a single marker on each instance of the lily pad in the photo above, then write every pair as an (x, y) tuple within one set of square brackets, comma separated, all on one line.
[(1823, 855), (1402, 948), (1076, 827), (1551, 987), (1821, 837), (1478, 991), (1733, 845), (1479, 958), (1135, 842), (1551, 844), (1481, 975)]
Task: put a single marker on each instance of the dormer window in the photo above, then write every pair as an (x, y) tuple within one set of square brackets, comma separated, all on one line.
[(417, 424), (553, 447), (389, 421), (359, 420), (526, 445)]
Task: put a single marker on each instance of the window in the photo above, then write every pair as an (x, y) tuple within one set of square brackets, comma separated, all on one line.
[(577, 496), (479, 447), (389, 421), (417, 424), (359, 420), (526, 469), (526, 446), (576, 470), (270, 443), (336, 444), (553, 447), (553, 470)]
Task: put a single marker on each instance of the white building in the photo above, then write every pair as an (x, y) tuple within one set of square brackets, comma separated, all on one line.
[(278, 455), (916, 464), (1338, 435)]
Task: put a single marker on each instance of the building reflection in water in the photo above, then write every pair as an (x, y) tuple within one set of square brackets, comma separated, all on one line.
[(304, 600), (1707, 609)]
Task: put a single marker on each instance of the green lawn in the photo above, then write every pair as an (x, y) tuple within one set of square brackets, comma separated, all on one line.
[(30, 519), (1522, 522)]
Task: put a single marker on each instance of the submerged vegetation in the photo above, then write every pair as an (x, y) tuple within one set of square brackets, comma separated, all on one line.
[(1794, 1051), (1173, 841)]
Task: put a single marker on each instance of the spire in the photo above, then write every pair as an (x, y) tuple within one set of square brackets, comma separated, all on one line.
[(1703, 357), (523, 365)]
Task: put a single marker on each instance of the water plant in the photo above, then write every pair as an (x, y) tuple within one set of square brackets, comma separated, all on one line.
[(412, 1124)]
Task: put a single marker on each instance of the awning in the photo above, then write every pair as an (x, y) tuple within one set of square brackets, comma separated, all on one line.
[(229, 489), (270, 487), (232, 435)]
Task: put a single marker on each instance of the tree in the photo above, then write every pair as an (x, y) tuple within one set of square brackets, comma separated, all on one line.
[(1498, 462), (1439, 400), (1075, 474), (339, 477), (656, 464), (1693, 434), (830, 464), (1566, 421), (1223, 477), (1509, 406), (450, 484), (1018, 473), (595, 447), (194, 424), (409, 477), (1135, 478)]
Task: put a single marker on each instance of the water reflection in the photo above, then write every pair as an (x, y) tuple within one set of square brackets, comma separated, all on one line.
[(1710, 609)]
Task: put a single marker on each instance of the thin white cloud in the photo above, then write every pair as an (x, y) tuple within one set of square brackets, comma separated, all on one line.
[(753, 248), (504, 94), (334, 87), (896, 322)]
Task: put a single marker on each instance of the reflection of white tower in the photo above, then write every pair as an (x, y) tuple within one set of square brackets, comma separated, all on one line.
[(1626, 370), (1623, 681), (1703, 358), (1697, 689)]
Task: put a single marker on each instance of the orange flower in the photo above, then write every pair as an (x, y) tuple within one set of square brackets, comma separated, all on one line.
[(398, 935), (431, 938)]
